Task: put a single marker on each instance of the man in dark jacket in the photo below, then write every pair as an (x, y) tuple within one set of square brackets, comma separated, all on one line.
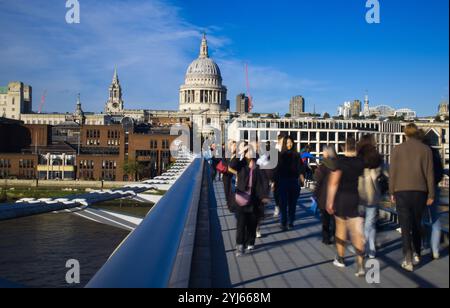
[(412, 188)]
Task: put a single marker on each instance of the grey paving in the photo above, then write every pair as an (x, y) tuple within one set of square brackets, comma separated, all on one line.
[(298, 259)]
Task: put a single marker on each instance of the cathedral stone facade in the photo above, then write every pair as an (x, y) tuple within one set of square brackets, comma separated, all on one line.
[(203, 89)]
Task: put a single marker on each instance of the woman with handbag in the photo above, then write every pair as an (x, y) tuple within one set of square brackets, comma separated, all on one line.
[(369, 189), (251, 189)]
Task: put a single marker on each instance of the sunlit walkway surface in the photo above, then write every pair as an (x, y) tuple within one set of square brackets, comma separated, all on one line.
[(299, 259)]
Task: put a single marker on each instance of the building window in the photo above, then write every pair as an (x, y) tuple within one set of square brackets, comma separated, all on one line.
[(153, 144), (5, 163), (86, 164), (109, 164), (332, 136), (108, 170), (433, 138), (304, 136)]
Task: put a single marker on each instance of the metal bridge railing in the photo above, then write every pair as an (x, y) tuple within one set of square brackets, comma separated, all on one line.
[(158, 253)]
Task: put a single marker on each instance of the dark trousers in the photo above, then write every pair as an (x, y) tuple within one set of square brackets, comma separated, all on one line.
[(276, 195), (289, 191), (246, 228), (227, 182), (327, 225), (213, 172), (259, 212), (410, 208)]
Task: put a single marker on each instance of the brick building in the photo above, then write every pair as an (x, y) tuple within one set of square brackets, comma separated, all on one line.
[(87, 152)]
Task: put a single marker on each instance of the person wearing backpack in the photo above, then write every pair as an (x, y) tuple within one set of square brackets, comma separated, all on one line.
[(369, 190), (251, 190)]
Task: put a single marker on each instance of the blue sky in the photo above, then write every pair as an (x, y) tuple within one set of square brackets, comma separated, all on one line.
[(323, 50)]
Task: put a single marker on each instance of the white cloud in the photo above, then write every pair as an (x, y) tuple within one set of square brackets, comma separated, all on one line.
[(149, 42)]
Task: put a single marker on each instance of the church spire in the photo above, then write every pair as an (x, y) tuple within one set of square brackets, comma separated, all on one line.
[(115, 102), (78, 109), (116, 76), (204, 48), (79, 114)]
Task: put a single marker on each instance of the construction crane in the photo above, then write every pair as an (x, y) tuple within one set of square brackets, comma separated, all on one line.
[(41, 105), (250, 98)]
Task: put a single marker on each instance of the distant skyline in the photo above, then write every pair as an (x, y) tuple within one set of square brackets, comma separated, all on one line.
[(322, 50)]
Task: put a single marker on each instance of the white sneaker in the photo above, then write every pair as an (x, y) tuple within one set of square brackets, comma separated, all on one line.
[(239, 250), (416, 259), (250, 249), (408, 266), (258, 234), (276, 213), (371, 254), (436, 256), (339, 262), (360, 273)]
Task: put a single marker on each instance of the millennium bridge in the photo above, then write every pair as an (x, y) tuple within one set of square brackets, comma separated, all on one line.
[(187, 240)]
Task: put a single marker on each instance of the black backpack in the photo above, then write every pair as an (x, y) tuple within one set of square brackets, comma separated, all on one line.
[(383, 183)]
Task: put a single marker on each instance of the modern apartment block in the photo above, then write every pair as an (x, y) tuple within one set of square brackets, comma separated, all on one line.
[(242, 104), (297, 106), (317, 133), (15, 99)]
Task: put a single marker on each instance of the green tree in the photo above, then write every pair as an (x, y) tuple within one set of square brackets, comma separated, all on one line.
[(288, 115), (438, 118), (133, 169), (326, 115), (3, 196)]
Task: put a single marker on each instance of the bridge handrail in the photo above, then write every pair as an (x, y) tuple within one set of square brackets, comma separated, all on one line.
[(158, 253)]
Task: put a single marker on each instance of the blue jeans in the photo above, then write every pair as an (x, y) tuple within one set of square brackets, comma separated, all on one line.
[(434, 216), (370, 228), (289, 192)]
